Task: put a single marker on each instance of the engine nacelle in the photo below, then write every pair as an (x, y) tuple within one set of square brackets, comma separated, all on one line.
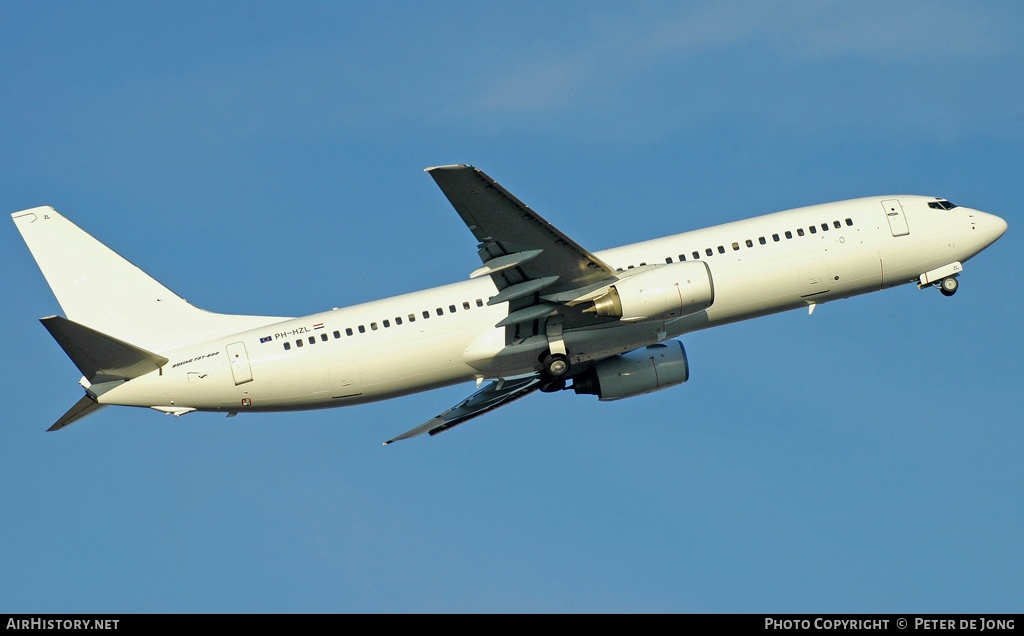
[(638, 372), (662, 293)]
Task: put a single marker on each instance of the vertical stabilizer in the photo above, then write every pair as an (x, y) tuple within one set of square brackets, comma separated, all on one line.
[(98, 288)]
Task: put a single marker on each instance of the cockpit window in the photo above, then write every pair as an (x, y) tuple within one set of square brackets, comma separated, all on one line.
[(941, 204)]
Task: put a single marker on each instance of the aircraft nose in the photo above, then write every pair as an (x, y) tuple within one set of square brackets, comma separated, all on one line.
[(992, 225)]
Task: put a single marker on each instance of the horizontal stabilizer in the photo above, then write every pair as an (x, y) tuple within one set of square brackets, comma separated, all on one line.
[(81, 408), (98, 356)]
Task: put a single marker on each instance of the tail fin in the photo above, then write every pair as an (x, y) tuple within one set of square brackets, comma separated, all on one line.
[(98, 288)]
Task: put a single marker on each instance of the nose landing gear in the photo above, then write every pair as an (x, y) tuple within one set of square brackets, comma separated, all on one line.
[(949, 285), (944, 278)]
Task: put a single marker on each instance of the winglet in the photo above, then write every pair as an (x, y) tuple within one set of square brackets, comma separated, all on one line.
[(447, 167)]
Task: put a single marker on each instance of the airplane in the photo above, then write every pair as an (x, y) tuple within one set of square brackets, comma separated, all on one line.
[(541, 313)]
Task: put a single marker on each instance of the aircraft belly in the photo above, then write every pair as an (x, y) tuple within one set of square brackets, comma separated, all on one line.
[(319, 381), (583, 345), (431, 361), (769, 288), (190, 389), (748, 292)]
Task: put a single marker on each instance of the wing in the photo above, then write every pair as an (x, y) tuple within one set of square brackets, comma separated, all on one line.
[(538, 271), (495, 394), (535, 267)]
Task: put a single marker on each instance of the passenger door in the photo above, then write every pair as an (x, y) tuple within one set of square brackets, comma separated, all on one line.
[(897, 220)]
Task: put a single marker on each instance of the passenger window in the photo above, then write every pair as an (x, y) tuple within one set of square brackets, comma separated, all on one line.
[(630, 267), (398, 320), (451, 309), (789, 234), (465, 305), (440, 312), (337, 334), (668, 259), (735, 247), (682, 257), (800, 231), (298, 343), (312, 340), (479, 303), (387, 323), (708, 251), (837, 224), (373, 326), (813, 229), (750, 243), (849, 221), (775, 237), (762, 240), (412, 317), (287, 346), (824, 227), (426, 314), (323, 336), (696, 255), (721, 249), (348, 331), (362, 329)]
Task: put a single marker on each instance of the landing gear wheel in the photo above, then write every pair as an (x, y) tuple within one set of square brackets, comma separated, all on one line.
[(553, 386), (556, 365), (948, 286)]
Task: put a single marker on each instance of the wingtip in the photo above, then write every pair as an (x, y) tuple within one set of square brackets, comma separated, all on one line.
[(452, 166)]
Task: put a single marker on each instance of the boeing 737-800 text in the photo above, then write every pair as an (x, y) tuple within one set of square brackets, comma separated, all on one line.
[(541, 313)]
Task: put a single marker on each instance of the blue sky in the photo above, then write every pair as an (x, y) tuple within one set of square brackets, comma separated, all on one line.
[(267, 158)]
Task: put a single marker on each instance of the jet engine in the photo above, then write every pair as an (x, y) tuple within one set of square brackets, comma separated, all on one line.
[(662, 293), (638, 372)]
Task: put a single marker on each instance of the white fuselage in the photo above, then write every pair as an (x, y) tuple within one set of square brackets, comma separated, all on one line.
[(446, 335)]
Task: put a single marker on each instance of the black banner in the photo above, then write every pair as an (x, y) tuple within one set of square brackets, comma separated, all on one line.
[(917, 623)]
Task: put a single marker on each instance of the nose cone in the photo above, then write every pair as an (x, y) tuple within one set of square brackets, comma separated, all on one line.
[(991, 226)]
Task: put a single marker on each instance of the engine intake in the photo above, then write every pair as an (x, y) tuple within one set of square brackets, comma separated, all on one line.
[(662, 293), (646, 370)]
